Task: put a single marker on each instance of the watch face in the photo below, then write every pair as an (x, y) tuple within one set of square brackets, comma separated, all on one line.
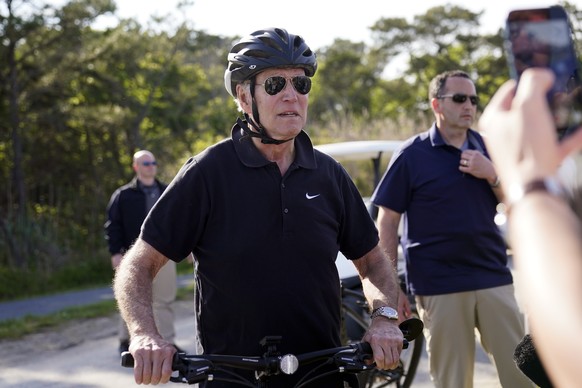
[(385, 311)]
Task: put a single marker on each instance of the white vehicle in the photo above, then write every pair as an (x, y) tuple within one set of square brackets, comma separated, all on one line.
[(379, 153)]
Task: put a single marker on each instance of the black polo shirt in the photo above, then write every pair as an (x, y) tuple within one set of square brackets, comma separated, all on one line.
[(266, 244)]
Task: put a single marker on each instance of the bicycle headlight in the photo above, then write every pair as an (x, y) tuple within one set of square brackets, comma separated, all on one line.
[(289, 364)]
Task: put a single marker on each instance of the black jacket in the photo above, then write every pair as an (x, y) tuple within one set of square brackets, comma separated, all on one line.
[(125, 214)]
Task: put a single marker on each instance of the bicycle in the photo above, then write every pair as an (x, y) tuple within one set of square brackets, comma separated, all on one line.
[(348, 359), (356, 322)]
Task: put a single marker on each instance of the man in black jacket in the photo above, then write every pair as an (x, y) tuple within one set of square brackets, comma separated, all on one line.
[(126, 211)]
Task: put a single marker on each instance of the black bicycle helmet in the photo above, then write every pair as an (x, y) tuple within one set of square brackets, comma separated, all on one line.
[(264, 49)]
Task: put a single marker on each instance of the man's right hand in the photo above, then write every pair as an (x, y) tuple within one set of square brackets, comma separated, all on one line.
[(152, 359)]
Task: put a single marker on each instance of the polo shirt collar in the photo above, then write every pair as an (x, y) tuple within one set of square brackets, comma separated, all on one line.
[(435, 136), (437, 140), (250, 156)]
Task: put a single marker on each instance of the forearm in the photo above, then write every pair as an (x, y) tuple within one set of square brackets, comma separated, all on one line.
[(133, 288), (379, 279), (389, 242), (545, 237), (388, 223), (381, 289)]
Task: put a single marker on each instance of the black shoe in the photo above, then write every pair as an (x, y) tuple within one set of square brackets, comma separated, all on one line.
[(123, 346)]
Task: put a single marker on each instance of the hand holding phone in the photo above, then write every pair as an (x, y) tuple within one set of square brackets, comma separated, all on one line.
[(543, 38)]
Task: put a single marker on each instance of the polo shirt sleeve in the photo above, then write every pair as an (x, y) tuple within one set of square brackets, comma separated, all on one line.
[(394, 189), (176, 222)]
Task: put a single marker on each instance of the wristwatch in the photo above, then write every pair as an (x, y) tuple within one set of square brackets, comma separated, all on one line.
[(386, 312)]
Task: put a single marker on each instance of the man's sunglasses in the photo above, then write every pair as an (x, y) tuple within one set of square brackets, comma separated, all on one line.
[(461, 98), (147, 164), (275, 84)]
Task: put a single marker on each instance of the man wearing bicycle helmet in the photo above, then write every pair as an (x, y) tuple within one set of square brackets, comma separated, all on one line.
[(265, 215)]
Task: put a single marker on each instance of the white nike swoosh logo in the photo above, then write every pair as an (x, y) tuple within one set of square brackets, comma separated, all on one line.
[(311, 196)]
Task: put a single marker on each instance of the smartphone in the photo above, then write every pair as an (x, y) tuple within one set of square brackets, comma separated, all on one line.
[(543, 37)]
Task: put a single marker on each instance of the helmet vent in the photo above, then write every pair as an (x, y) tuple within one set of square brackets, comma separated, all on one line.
[(267, 40), (257, 54), (282, 34)]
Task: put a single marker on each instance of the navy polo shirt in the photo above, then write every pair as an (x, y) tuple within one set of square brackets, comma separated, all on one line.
[(450, 241), (266, 244)]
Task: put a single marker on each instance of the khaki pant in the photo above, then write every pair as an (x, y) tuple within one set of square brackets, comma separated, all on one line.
[(451, 323), (163, 295)]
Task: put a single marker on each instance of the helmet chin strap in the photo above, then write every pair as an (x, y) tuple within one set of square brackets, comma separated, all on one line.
[(261, 132)]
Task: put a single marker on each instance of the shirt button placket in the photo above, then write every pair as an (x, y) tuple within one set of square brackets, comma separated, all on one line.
[(285, 210)]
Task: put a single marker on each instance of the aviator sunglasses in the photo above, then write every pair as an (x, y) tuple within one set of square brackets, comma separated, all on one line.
[(147, 164), (461, 98), (275, 84)]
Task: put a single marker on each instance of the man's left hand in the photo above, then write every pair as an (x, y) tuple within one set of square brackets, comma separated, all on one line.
[(386, 341)]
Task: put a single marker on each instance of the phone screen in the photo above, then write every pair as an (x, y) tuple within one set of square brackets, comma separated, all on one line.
[(543, 38)]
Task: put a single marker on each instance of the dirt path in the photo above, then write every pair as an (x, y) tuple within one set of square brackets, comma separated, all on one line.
[(83, 354)]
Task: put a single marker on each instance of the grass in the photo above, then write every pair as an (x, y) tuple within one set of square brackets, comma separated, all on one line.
[(17, 328)]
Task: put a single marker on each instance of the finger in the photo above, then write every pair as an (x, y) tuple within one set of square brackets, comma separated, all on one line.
[(138, 369), (393, 362), (378, 354), (166, 370), (503, 97), (389, 360), (147, 367), (530, 83), (156, 374), (500, 102), (571, 143)]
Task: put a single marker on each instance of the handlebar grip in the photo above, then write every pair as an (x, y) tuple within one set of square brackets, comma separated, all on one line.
[(364, 348), (126, 360)]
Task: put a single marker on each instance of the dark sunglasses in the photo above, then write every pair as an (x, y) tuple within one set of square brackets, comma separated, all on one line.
[(275, 84), (147, 164), (461, 98)]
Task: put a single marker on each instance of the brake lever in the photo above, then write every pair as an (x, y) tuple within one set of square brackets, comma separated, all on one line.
[(353, 362), (194, 373)]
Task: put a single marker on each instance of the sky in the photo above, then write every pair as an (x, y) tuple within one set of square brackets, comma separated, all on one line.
[(318, 21)]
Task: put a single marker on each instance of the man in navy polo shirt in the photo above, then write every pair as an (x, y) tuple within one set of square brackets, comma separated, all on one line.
[(444, 185), (264, 215)]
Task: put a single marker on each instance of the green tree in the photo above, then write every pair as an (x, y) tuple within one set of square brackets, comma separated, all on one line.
[(443, 38), (32, 55)]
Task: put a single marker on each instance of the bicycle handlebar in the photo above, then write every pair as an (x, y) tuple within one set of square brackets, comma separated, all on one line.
[(194, 369), (352, 358)]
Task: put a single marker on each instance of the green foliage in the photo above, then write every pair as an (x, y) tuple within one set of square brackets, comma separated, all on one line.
[(18, 283)]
